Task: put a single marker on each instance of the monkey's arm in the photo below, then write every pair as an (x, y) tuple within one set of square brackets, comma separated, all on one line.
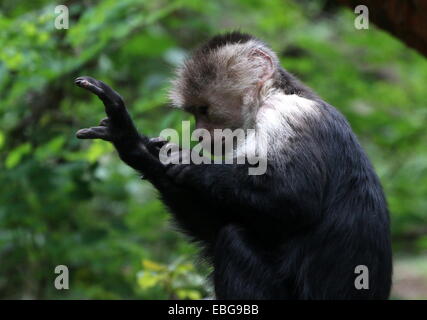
[(228, 185), (141, 153)]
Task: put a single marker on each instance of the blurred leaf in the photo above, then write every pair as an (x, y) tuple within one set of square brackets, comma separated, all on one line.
[(16, 154)]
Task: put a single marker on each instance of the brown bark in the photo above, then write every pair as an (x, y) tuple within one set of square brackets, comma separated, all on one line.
[(405, 19)]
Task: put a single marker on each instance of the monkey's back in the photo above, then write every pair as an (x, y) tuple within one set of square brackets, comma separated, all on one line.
[(352, 232)]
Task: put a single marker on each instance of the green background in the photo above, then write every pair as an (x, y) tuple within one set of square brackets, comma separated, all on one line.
[(71, 202)]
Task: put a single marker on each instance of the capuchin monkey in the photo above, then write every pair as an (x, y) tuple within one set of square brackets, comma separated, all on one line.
[(302, 230)]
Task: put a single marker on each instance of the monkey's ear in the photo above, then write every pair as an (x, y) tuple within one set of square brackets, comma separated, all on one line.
[(264, 64)]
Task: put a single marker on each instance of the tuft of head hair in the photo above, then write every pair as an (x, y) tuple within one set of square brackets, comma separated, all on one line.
[(230, 64), (222, 40)]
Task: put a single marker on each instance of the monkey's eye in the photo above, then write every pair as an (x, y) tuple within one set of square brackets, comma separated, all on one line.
[(203, 110)]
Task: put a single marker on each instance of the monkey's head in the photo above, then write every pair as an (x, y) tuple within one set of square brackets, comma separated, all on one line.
[(222, 83)]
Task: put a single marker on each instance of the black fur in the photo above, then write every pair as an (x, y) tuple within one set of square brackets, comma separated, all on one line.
[(296, 232), (222, 40)]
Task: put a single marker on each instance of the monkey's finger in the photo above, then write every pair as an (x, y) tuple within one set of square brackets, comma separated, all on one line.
[(104, 122), (113, 102), (94, 133), (155, 144), (159, 140), (90, 84)]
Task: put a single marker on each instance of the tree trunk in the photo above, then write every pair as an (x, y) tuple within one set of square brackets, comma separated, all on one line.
[(405, 19)]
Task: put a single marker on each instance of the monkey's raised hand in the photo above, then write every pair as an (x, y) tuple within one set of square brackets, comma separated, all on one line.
[(118, 125), (136, 150)]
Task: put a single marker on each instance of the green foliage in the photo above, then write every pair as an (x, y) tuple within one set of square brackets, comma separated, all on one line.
[(178, 279), (71, 202)]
